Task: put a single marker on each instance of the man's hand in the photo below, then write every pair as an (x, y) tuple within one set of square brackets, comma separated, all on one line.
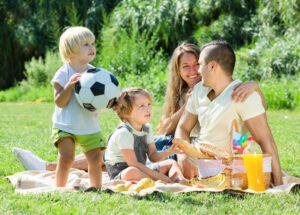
[(189, 171)]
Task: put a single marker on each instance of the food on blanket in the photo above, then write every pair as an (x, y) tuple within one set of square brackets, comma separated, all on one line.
[(135, 188), (198, 186), (145, 183), (142, 184), (202, 150), (159, 183), (128, 184), (217, 182), (119, 188)]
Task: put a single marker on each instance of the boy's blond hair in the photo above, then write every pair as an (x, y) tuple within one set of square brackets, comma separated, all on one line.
[(71, 39)]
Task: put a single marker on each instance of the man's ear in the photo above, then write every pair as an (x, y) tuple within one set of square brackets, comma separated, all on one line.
[(213, 65)]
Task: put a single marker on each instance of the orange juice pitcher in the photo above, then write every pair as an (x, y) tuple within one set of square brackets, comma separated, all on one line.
[(254, 168)]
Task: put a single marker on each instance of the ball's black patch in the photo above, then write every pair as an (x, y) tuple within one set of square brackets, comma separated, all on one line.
[(114, 80), (77, 87), (98, 89), (93, 70), (89, 107)]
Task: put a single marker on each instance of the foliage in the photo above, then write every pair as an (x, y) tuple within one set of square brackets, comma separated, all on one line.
[(234, 21), (28, 28), (282, 93)]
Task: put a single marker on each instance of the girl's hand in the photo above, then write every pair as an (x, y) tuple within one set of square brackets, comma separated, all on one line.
[(174, 149), (243, 90), (73, 80)]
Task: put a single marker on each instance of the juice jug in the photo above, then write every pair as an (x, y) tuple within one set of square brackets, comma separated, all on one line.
[(254, 167)]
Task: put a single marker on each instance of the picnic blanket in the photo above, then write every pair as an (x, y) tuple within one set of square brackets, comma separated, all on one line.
[(44, 181)]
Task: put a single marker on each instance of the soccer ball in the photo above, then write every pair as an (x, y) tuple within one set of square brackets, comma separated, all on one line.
[(97, 89)]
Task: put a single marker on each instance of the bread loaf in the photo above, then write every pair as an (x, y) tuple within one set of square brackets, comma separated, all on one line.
[(202, 150)]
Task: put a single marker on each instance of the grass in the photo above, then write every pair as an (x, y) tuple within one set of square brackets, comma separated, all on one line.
[(29, 125)]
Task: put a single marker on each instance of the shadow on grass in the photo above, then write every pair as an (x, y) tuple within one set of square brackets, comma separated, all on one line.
[(192, 198)]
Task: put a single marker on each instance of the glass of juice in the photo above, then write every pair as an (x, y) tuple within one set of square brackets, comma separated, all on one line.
[(254, 169)]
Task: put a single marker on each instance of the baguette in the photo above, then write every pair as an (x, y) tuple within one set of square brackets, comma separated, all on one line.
[(202, 150)]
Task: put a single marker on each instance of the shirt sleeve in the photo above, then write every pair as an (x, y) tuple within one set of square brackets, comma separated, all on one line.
[(124, 139), (250, 108), (192, 100), (61, 78), (150, 136)]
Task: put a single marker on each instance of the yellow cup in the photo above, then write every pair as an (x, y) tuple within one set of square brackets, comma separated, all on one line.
[(254, 169)]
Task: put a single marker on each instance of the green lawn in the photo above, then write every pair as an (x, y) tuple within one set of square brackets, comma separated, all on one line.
[(29, 125)]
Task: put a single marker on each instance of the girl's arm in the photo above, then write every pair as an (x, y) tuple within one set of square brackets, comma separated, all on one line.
[(168, 125), (131, 160), (156, 156), (62, 95), (245, 89)]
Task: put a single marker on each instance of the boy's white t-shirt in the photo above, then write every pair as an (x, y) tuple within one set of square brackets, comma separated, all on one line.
[(215, 117), (73, 118), (123, 139)]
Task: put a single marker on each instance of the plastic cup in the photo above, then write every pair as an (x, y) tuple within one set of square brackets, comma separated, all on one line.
[(254, 169)]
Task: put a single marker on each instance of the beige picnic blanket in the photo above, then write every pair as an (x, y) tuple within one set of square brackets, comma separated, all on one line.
[(44, 181)]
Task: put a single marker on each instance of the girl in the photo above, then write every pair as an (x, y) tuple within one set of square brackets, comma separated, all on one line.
[(131, 143)]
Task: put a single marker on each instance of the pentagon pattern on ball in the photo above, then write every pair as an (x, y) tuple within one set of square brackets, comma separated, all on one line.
[(97, 89)]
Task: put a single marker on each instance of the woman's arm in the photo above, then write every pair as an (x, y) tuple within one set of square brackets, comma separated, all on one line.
[(243, 90), (131, 160), (62, 95), (156, 156), (168, 125)]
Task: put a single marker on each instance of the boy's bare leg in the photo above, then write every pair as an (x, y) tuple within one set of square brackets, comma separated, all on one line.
[(66, 151), (94, 158)]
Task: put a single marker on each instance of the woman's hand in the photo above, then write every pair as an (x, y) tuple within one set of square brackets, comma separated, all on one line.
[(243, 90), (188, 94)]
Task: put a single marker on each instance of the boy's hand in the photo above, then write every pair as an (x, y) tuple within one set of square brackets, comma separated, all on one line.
[(73, 80)]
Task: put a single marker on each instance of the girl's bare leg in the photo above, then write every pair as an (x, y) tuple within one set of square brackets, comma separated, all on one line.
[(171, 169), (132, 173)]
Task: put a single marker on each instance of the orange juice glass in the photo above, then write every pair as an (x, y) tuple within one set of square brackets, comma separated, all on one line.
[(254, 169)]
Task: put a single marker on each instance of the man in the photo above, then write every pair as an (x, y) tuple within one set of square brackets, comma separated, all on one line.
[(212, 106)]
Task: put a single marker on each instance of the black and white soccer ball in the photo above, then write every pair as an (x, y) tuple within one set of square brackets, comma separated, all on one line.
[(97, 89)]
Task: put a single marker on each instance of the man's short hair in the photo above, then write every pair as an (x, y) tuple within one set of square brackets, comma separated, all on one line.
[(221, 52)]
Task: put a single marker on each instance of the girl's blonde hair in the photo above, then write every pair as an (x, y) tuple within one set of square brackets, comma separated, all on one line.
[(71, 40), (124, 104), (176, 85)]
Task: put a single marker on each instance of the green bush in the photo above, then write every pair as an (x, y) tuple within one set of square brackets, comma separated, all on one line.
[(270, 58), (282, 93), (39, 72)]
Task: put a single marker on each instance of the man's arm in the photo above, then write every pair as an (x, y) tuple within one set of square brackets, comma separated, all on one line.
[(185, 125), (259, 129)]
